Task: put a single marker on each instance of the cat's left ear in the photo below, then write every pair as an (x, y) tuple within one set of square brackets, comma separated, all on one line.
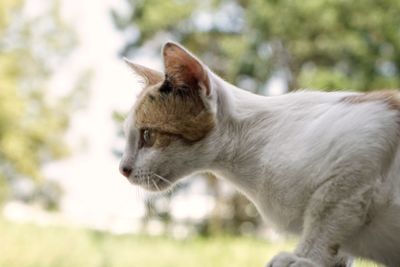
[(150, 76), (184, 69)]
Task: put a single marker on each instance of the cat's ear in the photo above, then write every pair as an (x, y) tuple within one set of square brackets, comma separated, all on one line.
[(150, 76), (184, 69)]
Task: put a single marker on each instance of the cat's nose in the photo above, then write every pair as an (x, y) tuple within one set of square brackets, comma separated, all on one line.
[(125, 170)]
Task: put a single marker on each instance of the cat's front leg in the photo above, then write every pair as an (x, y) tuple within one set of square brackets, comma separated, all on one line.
[(335, 212), (285, 259), (333, 216), (343, 261)]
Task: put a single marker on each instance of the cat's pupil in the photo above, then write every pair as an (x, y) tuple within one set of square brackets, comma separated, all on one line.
[(146, 136)]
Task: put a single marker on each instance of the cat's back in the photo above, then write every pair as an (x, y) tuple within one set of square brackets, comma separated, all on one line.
[(340, 110), (322, 128)]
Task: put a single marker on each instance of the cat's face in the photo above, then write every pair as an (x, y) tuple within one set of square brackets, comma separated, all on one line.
[(169, 123)]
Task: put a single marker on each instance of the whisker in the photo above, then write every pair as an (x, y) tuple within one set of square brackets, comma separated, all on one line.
[(162, 178), (155, 184)]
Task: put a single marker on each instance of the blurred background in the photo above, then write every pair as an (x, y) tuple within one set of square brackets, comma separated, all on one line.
[(64, 91)]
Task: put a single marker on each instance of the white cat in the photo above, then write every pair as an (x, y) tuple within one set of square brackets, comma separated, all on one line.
[(322, 165)]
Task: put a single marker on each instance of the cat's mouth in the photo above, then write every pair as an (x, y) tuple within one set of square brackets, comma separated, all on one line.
[(151, 181)]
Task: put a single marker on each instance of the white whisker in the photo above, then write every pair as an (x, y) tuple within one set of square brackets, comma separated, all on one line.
[(155, 184), (147, 181), (162, 178)]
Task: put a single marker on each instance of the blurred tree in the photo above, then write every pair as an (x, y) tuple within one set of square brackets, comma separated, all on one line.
[(315, 44), (330, 45), (32, 121)]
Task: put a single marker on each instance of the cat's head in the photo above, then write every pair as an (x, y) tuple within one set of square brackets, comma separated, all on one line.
[(167, 128)]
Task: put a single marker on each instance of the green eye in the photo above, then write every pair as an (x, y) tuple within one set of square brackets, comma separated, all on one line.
[(148, 137)]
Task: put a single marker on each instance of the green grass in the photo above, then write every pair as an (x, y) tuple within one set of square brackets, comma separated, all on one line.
[(24, 245)]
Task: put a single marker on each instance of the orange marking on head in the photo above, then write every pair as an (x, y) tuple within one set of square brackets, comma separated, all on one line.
[(173, 106), (179, 112)]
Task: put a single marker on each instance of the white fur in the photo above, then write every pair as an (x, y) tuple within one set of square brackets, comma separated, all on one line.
[(317, 166), (312, 164)]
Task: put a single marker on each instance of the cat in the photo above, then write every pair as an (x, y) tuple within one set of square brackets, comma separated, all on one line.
[(324, 166)]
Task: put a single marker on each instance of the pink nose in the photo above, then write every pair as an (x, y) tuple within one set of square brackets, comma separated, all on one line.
[(125, 170)]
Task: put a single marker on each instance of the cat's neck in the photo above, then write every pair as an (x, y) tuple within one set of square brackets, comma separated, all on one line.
[(236, 103), (242, 135)]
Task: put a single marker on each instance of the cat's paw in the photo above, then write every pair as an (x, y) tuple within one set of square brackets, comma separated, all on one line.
[(286, 259)]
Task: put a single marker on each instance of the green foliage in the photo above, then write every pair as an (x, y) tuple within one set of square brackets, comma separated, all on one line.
[(222, 46), (59, 247), (32, 121), (358, 43), (6, 8), (316, 44)]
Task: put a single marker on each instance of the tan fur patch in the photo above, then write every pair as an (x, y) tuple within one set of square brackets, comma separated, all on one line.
[(173, 115), (164, 139), (390, 97)]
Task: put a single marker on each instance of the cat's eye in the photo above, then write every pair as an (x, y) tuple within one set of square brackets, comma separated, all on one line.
[(147, 137)]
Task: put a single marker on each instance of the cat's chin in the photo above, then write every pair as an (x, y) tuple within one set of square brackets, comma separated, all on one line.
[(155, 183), (158, 186)]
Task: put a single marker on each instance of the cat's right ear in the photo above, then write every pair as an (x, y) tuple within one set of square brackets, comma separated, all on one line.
[(184, 69), (150, 76)]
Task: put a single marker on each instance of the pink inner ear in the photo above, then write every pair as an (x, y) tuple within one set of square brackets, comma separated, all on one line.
[(183, 68)]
